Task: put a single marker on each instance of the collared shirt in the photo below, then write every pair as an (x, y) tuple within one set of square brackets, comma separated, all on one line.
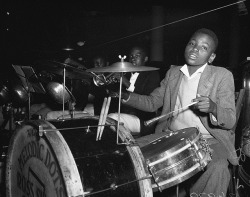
[(184, 118), (132, 81), (185, 71)]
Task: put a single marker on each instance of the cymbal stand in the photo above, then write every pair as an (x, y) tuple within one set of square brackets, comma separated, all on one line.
[(29, 100), (63, 90), (72, 101), (10, 117), (119, 110)]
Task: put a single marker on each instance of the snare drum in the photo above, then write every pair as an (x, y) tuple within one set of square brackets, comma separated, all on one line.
[(172, 159), (63, 158)]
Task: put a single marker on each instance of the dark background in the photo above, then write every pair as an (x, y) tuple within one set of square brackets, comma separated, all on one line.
[(35, 30)]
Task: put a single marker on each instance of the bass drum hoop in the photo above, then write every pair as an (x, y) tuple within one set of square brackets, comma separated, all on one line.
[(138, 160), (65, 158)]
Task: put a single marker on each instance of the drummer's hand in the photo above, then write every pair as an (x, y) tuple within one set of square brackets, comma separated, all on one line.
[(205, 104), (125, 81), (116, 76), (124, 94)]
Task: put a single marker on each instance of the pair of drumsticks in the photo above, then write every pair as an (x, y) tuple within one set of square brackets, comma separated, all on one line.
[(103, 117)]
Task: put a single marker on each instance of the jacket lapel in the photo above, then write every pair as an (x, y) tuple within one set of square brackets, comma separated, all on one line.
[(175, 79), (205, 83)]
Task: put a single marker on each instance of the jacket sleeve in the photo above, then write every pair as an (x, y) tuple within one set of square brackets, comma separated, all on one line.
[(152, 82), (225, 100), (152, 102)]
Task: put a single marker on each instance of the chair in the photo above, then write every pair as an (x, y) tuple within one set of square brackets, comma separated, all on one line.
[(232, 189), (239, 103)]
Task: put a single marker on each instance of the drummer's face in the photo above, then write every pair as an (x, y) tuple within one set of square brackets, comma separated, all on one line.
[(99, 62), (137, 57)]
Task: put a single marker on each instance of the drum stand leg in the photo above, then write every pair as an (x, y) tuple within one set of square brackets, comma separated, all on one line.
[(177, 190), (10, 118)]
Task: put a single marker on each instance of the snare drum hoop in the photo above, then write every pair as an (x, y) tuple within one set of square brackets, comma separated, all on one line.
[(184, 175)]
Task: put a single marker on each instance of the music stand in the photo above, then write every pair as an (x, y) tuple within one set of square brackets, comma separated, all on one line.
[(29, 81)]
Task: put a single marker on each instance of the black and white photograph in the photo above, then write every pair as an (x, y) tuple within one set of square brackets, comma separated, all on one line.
[(125, 98)]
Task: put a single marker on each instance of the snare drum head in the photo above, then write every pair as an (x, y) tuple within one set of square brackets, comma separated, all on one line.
[(40, 166)]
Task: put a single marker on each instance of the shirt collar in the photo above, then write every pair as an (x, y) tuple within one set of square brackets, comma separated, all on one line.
[(134, 73), (184, 69)]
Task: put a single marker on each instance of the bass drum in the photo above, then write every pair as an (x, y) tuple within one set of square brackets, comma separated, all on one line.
[(63, 158)]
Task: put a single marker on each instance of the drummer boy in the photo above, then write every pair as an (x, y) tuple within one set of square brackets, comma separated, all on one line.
[(211, 88)]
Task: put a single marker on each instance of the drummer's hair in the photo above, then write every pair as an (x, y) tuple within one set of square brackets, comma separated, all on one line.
[(211, 34)]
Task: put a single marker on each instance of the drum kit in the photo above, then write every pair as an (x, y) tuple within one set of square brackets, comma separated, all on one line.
[(62, 157)]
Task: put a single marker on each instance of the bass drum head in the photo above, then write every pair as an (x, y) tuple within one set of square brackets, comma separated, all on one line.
[(70, 162), (40, 166)]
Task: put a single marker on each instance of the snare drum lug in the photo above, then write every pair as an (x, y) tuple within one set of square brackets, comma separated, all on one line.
[(191, 148), (202, 166), (196, 160), (150, 169)]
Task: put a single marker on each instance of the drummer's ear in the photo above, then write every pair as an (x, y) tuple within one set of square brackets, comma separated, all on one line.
[(146, 59)]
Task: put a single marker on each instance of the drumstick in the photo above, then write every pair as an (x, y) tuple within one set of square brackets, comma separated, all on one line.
[(148, 122), (104, 117), (101, 117)]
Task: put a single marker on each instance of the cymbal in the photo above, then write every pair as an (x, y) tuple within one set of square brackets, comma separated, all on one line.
[(121, 67), (58, 68)]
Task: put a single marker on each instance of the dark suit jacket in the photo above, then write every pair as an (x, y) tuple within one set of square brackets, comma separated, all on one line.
[(215, 82), (145, 83)]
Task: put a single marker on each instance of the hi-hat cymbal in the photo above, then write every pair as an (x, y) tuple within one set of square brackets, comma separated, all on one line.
[(121, 67)]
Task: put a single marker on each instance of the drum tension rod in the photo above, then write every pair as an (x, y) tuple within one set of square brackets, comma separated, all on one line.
[(114, 186), (197, 153), (154, 178)]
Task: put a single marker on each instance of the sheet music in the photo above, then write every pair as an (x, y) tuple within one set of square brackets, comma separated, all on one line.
[(29, 79)]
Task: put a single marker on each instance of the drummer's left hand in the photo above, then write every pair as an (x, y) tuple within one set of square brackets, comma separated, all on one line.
[(205, 104), (125, 81), (124, 95)]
